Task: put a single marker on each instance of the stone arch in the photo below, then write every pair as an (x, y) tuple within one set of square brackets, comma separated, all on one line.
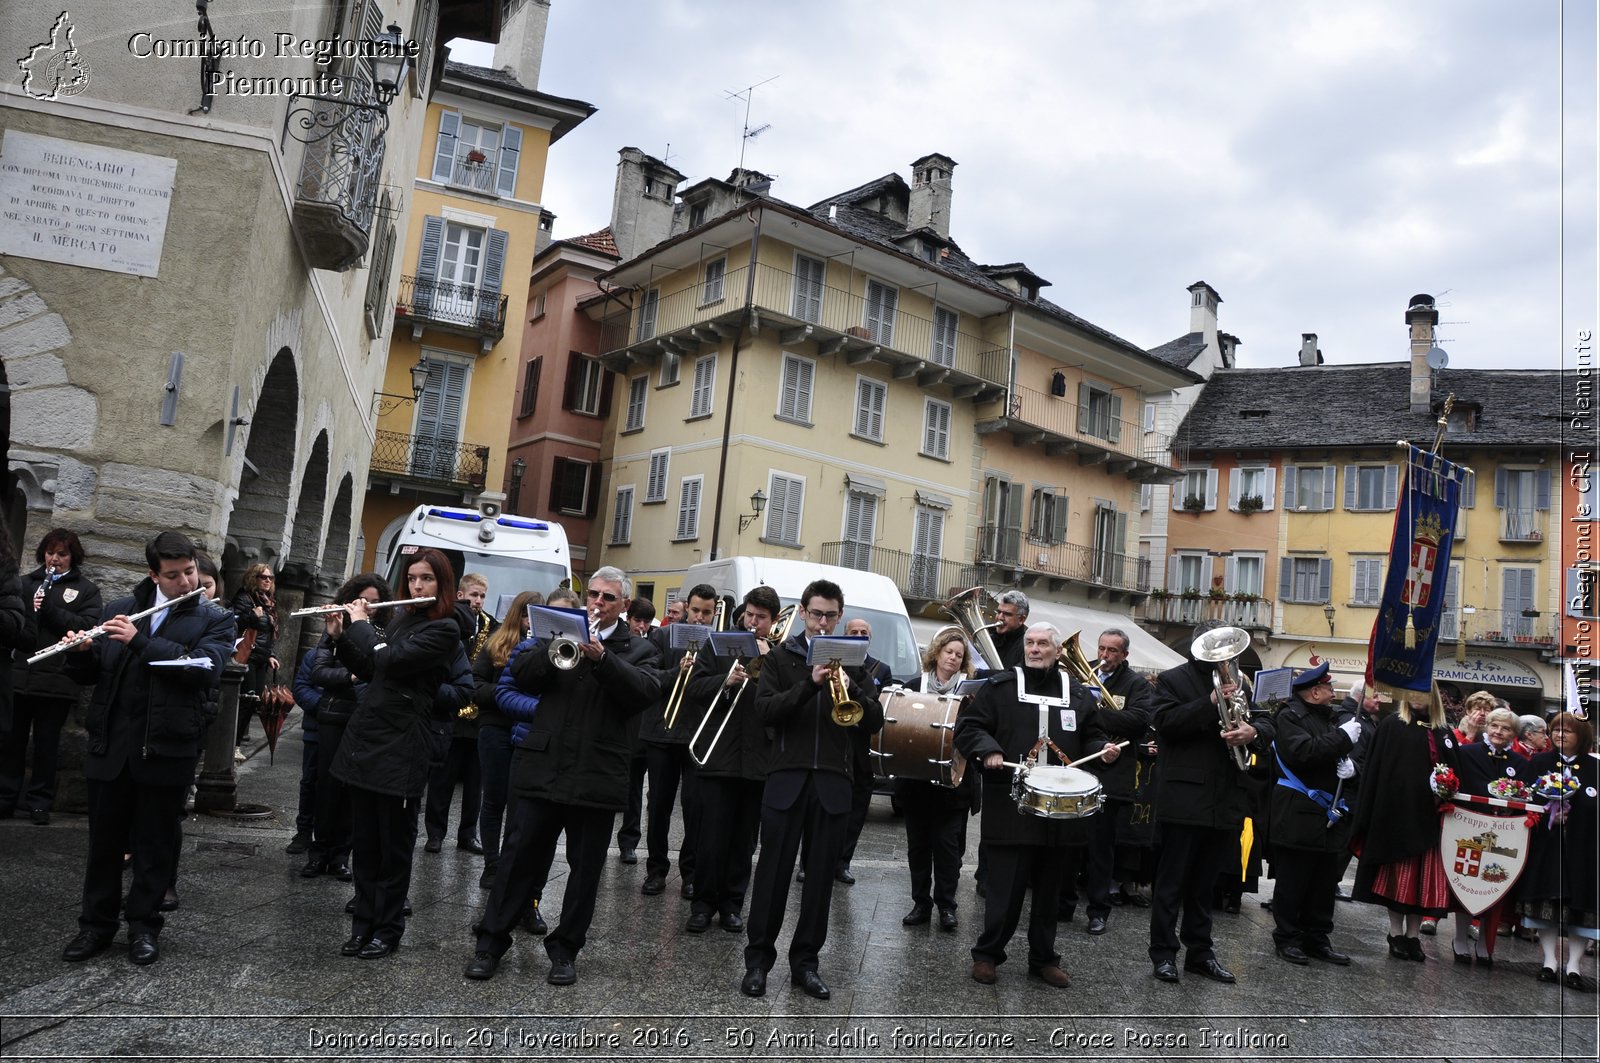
[(336, 550), (298, 582), (260, 515)]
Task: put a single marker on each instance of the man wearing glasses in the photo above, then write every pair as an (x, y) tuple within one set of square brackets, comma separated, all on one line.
[(570, 773), (807, 795)]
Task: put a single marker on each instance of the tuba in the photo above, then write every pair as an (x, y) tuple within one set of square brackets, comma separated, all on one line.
[(1221, 646), (1071, 660), (967, 610)]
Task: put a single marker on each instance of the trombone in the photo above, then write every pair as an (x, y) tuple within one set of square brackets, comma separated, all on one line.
[(752, 669), (680, 686)]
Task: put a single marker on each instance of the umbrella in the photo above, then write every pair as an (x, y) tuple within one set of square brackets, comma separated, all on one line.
[(272, 709)]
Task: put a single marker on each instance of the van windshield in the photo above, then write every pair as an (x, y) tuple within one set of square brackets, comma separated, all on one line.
[(506, 575), (893, 641)]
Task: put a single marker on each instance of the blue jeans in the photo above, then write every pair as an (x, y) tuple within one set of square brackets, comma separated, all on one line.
[(494, 760)]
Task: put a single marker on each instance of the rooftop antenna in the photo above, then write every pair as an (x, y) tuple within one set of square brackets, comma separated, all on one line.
[(746, 95)]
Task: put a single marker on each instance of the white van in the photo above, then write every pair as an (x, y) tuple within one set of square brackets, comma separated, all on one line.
[(514, 554), (867, 595)]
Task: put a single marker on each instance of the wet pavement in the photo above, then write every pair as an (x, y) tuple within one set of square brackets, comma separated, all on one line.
[(250, 969)]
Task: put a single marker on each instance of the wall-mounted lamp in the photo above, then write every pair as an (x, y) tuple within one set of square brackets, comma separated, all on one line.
[(385, 403), (388, 53), (518, 468), (758, 502), (1327, 611)]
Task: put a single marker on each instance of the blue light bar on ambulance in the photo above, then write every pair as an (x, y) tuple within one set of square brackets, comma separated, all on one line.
[(531, 525), (470, 518)]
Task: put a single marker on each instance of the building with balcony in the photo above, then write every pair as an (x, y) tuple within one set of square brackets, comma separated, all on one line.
[(460, 305), (1284, 516)]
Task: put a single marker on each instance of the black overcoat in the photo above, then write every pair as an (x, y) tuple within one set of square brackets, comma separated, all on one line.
[(800, 713), (71, 604), (1310, 744), (1562, 861), (1398, 817), (1129, 722), (1197, 781)]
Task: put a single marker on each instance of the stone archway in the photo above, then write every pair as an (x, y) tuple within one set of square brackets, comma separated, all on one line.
[(260, 515), (336, 551), (298, 577)]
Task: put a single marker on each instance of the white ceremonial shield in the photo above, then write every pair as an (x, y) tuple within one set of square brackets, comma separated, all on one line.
[(1483, 854)]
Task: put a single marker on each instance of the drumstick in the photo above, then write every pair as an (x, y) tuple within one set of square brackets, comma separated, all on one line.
[(1074, 764)]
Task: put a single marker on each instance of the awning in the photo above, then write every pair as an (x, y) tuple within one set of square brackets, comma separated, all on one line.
[(1146, 653)]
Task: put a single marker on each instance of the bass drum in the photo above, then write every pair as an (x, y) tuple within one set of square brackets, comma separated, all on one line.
[(918, 738)]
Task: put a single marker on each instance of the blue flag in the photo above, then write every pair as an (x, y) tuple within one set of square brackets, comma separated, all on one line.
[(1407, 629)]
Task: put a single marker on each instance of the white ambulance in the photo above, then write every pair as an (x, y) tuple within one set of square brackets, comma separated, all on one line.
[(514, 554)]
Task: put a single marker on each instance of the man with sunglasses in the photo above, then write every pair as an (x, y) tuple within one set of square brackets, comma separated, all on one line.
[(570, 773), (807, 795)]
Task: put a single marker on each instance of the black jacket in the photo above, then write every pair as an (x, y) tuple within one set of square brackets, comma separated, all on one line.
[(485, 676), (71, 604), (16, 632), (1310, 744), (1562, 861), (1130, 722), (800, 713), (338, 692), (244, 609), (388, 742), (1009, 646), (653, 727), (1398, 816), (1197, 781), (742, 751), (580, 741), (994, 721), (1480, 766), (151, 719)]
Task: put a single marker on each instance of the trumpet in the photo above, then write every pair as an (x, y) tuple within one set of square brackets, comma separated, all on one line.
[(89, 635), (752, 668), (846, 711), (334, 607), (564, 652), (1221, 646), (680, 686)]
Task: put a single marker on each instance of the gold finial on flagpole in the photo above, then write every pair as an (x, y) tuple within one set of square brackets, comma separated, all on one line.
[(1444, 420)]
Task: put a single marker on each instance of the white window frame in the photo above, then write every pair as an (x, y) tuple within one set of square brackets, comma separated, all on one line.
[(622, 516), (1208, 494), (638, 396), (1233, 580), (712, 281), (703, 394), (1268, 479), (590, 387), (1326, 498), (1388, 487), (671, 370), (783, 500), (1047, 516), (936, 437), (1374, 580), (872, 404), (689, 494), (805, 368), (655, 485)]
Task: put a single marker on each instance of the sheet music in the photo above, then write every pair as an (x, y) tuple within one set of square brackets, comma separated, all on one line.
[(552, 622), (733, 643), (502, 605), (970, 686), (848, 651), (1272, 684), (680, 636)]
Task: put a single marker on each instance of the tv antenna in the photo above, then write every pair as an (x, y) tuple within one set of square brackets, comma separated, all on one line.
[(747, 94)]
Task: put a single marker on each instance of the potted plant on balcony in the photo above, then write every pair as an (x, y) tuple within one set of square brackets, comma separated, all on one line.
[(1190, 594), (1193, 503), (1250, 503), (1159, 594), (476, 158)]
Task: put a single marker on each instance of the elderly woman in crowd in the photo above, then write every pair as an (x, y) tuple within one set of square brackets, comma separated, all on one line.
[(1558, 889), (1481, 764)]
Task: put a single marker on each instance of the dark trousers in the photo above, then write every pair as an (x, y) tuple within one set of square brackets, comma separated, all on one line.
[(782, 830), (305, 817), (125, 816), (1302, 896), (494, 770), (729, 817), (1013, 870), (628, 834), (1189, 861), (385, 837), (255, 679), (331, 823), (669, 766), (530, 847), (1101, 857), (460, 765), (936, 839), (860, 802), (42, 718)]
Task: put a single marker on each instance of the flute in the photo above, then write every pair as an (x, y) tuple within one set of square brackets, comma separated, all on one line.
[(82, 637), (325, 610)]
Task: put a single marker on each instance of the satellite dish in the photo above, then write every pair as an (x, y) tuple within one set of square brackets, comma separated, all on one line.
[(1437, 358)]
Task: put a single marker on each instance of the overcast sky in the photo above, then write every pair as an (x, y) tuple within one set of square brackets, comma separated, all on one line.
[(1316, 162)]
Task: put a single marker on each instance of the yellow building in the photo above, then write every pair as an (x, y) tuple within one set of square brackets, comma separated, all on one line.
[(474, 224)]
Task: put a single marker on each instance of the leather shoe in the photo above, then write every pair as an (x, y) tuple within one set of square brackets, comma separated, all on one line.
[(433, 845), (1294, 954), (470, 845), (341, 872), (1548, 974), (732, 922), (755, 983), (686, 891), (169, 901), (1339, 894), (811, 984), (1328, 955), (482, 967), (1575, 981), (142, 949), (1097, 925), (653, 884), (562, 972), (1051, 976), (1212, 970), (917, 916), (844, 875), (299, 843), (85, 945), (376, 949), (947, 919), (353, 946), (313, 868), (628, 856), (983, 972), (699, 923), (1166, 971), (534, 923)]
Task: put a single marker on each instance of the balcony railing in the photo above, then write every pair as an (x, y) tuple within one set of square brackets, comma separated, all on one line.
[(475, 175), (1499, 627), (810, 313), (1090, 431), (337, 192), (917, 575), (1522, 525), (1189, 611), (1064, 561), (426, 302), (430, 459)]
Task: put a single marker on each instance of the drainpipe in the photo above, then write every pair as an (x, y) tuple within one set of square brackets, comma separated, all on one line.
[(755, 215)]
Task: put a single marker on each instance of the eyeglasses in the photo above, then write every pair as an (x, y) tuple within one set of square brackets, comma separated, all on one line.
[(602, 596), (819, 615)]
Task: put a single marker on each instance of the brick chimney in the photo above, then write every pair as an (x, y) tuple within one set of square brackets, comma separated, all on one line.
[(641, 208), (521, 45), (930, 194), (1421, 317), (1309, 354)]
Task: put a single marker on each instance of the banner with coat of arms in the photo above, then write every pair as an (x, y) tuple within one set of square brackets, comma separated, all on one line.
[(1483, 854), (1406, 632)]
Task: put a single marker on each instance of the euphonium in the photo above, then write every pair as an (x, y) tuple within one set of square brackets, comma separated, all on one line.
[(1221, 646), (966, 609), (846, 713)]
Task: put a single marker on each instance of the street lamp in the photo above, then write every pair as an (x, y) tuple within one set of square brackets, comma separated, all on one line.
[(758, 502), (385, 403), (387, 53), (518, 467), (1327, 611)]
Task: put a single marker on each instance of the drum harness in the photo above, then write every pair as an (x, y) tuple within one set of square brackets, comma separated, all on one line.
[(1045, 703)]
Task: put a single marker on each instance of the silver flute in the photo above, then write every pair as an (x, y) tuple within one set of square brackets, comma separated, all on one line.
[(89, 635), (327, 610)]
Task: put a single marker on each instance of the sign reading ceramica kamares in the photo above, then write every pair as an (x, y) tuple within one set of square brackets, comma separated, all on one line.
[(83, 204)]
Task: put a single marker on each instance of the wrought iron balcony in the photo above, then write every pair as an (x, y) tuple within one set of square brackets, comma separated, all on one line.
[(338, 188), (1523, 525), (1254, 614), (1499, 627), (1089, 433), (919, 577), (428, 459), (427, 302), (1062, 563), (475, 171)]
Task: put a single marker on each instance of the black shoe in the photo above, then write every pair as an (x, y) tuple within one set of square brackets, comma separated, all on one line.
[(341, 872), (1484, 961), (1327, 954), (1294, 954), (1097, 925), (534, 923), (653, 884), (1575, 981), (1138, 900), (470, 845), (800, 876), (169, 901), (732, 922), (353, 946), (811, 984), (1211, 969), (405, 909), (1547, 974), (40, 817), (377, 949), (299, 843), (433, 845), (699, 923), (1461, 957), (562, 972), (687, 891), (1166, 971), (1066, 915), (1414, 949), (85, 945), (142, 950), (313, 868), (918, 915), (755, 983), (844, 875), (482, 967), (486, 880), (628, 856), (1116, 898), (350, 906), (947, 919), (1339, 894)]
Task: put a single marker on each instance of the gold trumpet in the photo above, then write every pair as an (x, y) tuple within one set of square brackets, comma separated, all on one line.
[(846, 712), (1071, 660), (680, 686)]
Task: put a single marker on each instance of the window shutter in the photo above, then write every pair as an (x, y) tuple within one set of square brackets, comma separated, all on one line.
[(1174, 574), (1234, 476), (1350, 487), (1120, 536), (1290, 479), (530, 386), (777, 502), (444, 154), (1230, 574), (808, 289), (1469, 491), (1328, 482), (1211, 489), (1500, 489), (1286, 578), (1358, 579), (1391, 486), (510, 154), (494, 266), (608, 380), (1083, 409), (655, 488), (1541, 489), (1014, 523), (591, 501), (689, 509), (1036, 528), (558, 476), (428, 257), (569, 398), (1325, 579), (1058, 519), (1179, 489), (1116, 418), (1269, 490)]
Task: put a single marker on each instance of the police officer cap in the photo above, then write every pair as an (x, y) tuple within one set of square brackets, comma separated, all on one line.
[(1311, 676)]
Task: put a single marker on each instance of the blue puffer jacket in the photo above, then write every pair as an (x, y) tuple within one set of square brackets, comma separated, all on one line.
[(515, 703)]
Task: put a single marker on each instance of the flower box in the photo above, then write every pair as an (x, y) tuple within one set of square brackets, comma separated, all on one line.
[(477, 158)]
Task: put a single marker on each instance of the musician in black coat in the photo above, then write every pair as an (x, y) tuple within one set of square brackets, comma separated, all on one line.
[(1559, 892), (569, 774), (861, 786), (1010, 625), (1310, 829), (1201, 804), (144, 726), (1129, 720), (1003, 722), (807, 794)]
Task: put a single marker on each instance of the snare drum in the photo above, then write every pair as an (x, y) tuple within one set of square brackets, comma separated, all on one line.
[(918, 738), (1057, 792)]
